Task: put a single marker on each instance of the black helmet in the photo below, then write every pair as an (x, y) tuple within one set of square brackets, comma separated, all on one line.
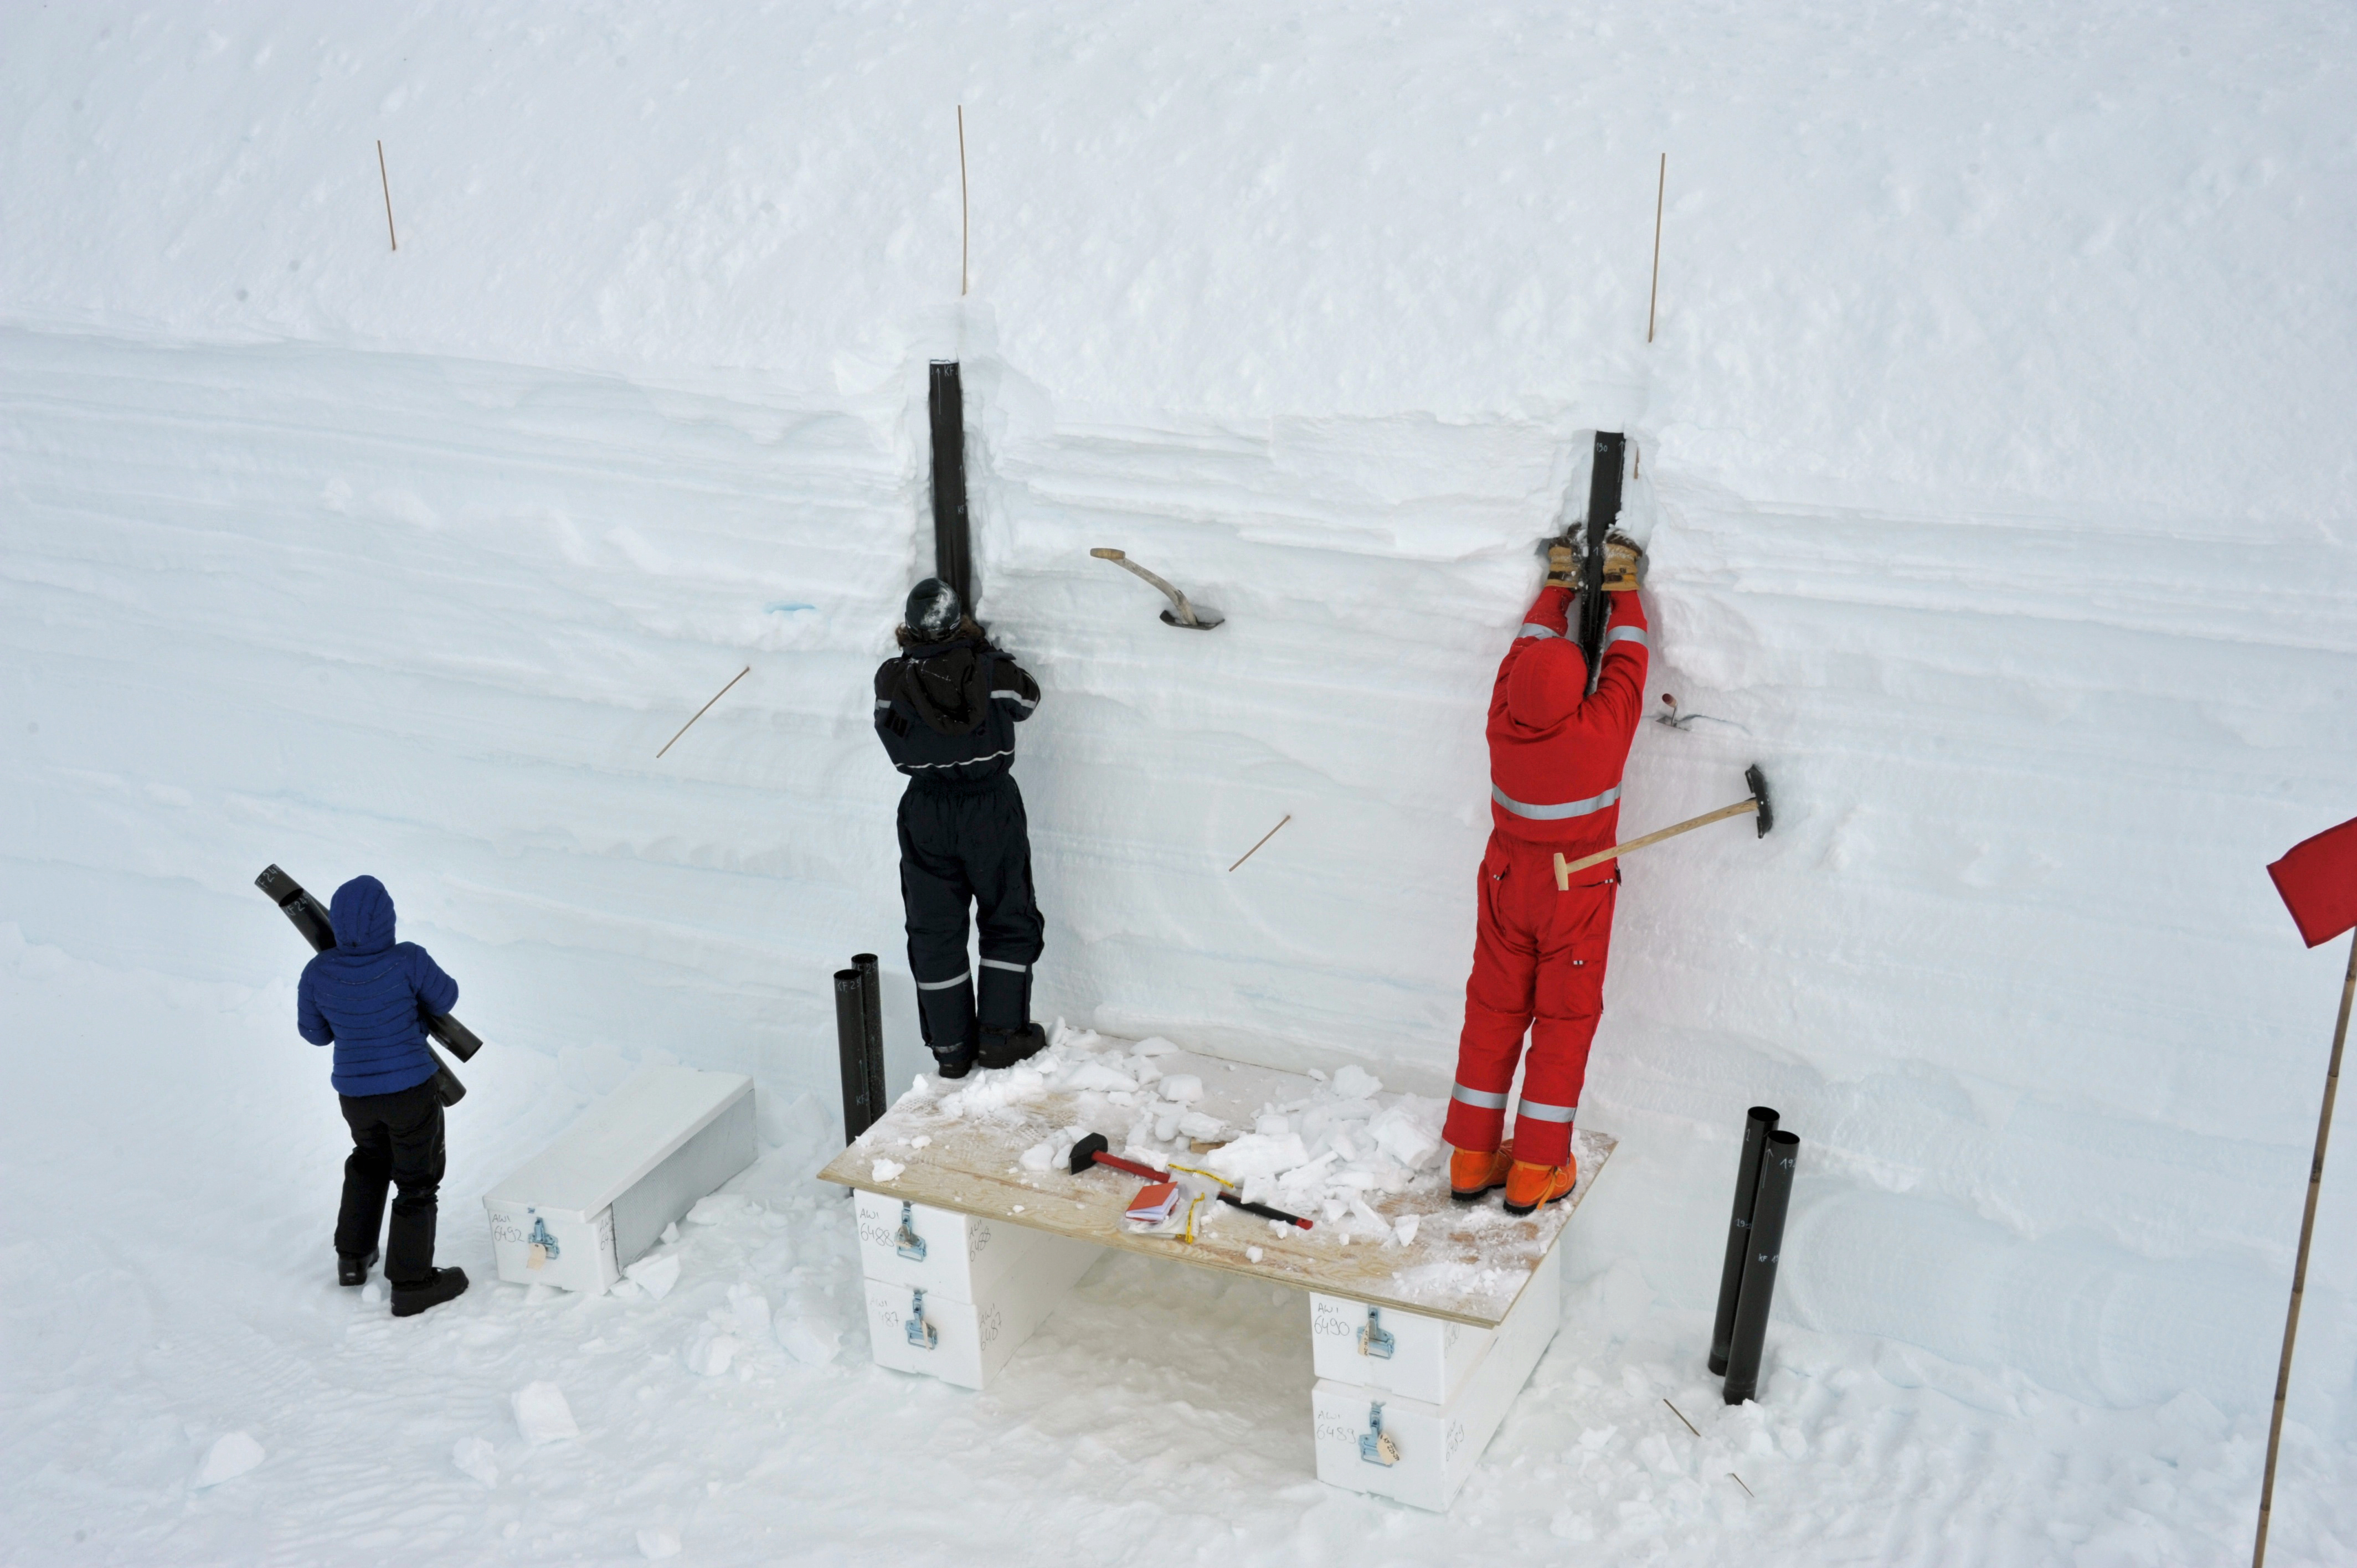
[(932, 610)]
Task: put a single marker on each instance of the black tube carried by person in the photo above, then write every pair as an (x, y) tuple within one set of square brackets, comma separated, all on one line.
[(946, 711), (369, 997)]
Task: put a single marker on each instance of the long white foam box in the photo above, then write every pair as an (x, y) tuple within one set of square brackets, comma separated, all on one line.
[(1419, 1452), (964, 1342), (938, 1251), (583, 1208), (1425, 1358)]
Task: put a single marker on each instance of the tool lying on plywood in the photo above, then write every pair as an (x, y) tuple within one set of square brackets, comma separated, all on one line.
[(1182, 614), (1093, 1149), (1758, 804)]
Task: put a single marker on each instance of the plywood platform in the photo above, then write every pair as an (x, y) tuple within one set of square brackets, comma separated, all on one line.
[(1468, 1263)]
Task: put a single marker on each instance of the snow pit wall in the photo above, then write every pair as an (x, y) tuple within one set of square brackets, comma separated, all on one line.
[(412, 571)]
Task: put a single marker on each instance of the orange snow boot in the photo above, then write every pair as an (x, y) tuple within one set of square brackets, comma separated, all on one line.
[(1473, 1173), (1528, 1185)]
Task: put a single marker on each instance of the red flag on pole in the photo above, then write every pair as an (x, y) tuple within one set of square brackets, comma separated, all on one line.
[(2317, 879)]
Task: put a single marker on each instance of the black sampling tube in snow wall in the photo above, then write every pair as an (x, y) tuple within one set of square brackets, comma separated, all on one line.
[(1758, 1122), (1761, 1254), (1603, 511), (871, 1005), (851, 1048), (953, 546)]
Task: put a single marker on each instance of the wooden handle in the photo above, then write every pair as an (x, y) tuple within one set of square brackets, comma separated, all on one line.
[(1564, 868), (1186, 611)]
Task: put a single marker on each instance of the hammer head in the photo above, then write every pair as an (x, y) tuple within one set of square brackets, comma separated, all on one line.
[(1086, 1151), (1766, 814)]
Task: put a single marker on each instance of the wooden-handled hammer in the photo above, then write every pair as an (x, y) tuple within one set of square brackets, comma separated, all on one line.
[(1093, 1148), (1758, 804)]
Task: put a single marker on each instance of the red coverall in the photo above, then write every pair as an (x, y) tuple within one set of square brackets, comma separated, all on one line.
[(1556, 756)]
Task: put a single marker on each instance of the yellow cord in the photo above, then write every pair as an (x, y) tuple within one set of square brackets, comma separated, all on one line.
[(1203, 1173)]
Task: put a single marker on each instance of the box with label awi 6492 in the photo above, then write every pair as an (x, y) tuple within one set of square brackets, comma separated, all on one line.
[(1372, 1438), (586, 1207)]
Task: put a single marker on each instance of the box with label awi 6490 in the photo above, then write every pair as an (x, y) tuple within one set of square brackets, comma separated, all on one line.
[(586, 1207), (1371, 1438)]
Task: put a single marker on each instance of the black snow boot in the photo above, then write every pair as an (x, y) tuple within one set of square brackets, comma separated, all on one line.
[(954, 1063), (353, 1271), (1005, 1048), (408, 1301)]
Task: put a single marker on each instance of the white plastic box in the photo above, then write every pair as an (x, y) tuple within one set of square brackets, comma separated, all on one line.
[(585, 1207), (1423, 1450), (979, 1293), (1382, 1347)]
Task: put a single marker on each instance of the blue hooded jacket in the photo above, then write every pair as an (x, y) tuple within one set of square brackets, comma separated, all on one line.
[(369, 996)]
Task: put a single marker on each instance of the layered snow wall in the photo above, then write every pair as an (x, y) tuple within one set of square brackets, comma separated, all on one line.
[(1994, 461)]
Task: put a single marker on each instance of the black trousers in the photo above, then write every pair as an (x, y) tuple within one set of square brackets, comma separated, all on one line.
[(397, 1142), (963, 847)]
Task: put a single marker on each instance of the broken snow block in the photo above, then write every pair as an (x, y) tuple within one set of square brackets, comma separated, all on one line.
[(583, 1208), (1419, 1452)]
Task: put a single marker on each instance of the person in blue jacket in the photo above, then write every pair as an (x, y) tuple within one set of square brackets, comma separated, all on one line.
[(369, 997)]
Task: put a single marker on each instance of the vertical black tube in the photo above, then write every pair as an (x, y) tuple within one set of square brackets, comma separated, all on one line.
[(871, 1003), (953, 550), (1758, 1122), (1761, 1257), (851, 1047), (1603, 511)]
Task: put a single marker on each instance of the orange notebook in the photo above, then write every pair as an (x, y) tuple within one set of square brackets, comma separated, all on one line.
[(1154, 1203)]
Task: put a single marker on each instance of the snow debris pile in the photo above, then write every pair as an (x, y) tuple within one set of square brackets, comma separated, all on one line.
[(1322, 1155)]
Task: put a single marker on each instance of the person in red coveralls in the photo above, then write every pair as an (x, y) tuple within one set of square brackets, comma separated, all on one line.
[(1555, 756)]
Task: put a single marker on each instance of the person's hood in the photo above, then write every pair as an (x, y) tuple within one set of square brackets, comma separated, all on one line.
[(361, 914), (948, 684), (1549, 683)]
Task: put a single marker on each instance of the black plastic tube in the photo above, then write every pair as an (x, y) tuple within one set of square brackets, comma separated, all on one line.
[(851, 1047), (1603, 511), (310, 918), (1761, 1257), (871, 1003), (952, 552), (1758, 1122)]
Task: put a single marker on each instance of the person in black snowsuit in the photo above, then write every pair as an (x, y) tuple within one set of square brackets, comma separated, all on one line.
[(946, 711)]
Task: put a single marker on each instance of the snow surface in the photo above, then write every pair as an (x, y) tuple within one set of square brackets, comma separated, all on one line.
[(1995, 465), (1159, 1415)]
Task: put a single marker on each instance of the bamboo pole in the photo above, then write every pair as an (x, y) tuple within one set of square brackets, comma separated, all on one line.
[(2299, 1269), (965, 242), (1659, 191), (703, 710), (1264, 839), (386, 180)]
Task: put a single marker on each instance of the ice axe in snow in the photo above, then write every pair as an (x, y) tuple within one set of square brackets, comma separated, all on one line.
[(1758, 804), (1182, 614), (1094, 1150)]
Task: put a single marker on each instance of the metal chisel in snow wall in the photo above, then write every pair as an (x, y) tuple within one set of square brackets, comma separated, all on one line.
[(311, 919)]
